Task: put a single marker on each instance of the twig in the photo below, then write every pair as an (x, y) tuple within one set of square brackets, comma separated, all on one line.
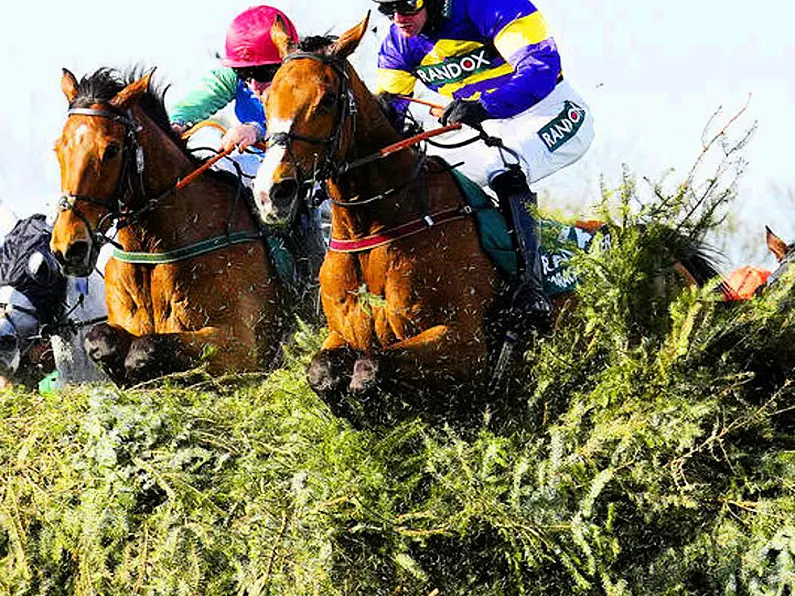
[(738, 423), (173, 376), (275, 550), (144, 556)]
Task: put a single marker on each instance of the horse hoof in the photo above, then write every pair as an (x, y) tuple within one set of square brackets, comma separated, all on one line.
[(144, 359), (328, 371), (329, 375), (365, 375), (102, 344)]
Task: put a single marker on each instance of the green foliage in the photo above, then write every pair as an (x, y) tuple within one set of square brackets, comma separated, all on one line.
[(655, 456), (656, 459)]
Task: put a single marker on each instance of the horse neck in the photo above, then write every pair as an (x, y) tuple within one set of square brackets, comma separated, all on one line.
[(372, 133), (197, 211)]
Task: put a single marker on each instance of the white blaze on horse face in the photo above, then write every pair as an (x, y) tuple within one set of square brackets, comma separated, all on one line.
[(81, 131), (274, 157)]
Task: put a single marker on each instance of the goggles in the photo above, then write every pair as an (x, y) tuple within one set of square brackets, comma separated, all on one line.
[(405, 8), (262, 74)]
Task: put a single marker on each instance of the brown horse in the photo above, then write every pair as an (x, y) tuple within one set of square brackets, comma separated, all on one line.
[(190, 278), (408, 293), (412, 310)]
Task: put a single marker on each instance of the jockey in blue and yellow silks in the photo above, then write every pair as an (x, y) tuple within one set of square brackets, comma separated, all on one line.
[(499, 64)]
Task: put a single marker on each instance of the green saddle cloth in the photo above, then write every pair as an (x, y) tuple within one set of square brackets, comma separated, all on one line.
[(282, 259), (558, 240)]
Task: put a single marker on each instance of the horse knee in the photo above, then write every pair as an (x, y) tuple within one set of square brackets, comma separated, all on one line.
[(104, 347), (102, 344)]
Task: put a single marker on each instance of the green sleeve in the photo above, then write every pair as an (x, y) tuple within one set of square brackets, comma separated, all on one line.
[(215, 91)]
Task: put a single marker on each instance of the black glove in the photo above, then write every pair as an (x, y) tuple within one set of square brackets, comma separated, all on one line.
[(385, 102), (471, 113)]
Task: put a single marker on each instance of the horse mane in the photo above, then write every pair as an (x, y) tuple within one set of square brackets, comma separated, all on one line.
[(700, 261), (103, 85), (316, 44)]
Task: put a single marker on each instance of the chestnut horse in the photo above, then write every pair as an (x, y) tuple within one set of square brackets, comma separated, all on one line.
[(412, 310), (408, 293), (190, 279)]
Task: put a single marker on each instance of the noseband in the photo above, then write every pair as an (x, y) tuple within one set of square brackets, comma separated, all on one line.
[(130, 184)]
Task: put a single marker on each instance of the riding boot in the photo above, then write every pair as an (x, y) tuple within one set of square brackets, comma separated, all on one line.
[(530, 304)]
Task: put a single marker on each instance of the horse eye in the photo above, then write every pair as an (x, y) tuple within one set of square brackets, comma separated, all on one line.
[(112, 151), (329, 100)]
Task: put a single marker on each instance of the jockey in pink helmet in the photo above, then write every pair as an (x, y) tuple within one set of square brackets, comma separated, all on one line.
[(249, 64)]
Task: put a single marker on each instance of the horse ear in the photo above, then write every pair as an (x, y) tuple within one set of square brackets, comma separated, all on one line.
[(776, 245), (69, 85), (281, 38), (349, 41), (129, 95)]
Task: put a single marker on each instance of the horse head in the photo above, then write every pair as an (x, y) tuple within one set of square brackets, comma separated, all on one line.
[(784, 253), (312, 107), (101, 163)]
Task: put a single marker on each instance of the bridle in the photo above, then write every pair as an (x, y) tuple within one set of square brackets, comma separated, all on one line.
[(128, 202), (346, 113), (129, 186)]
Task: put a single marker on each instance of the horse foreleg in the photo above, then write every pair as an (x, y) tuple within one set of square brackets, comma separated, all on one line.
[(436, 358), (329, 373), (155, 355), (107, 345)]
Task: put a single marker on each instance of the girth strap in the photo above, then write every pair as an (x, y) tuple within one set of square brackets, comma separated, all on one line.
[(390, 235), (186, 252)]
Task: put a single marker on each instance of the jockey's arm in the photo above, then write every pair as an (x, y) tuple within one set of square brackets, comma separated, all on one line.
[(525, 42), (213, 93), (392, 81)]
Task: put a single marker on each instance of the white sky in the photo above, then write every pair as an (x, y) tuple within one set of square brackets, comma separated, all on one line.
[(653, 72)]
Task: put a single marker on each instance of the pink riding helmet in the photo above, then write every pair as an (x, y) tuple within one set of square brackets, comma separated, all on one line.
[(248, 39)]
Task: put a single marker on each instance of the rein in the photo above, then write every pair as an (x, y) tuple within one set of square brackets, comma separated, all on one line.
[(347, 107), (329, 169)]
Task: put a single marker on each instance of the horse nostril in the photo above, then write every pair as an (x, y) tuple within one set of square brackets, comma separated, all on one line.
[(77, 252), (284, 192)]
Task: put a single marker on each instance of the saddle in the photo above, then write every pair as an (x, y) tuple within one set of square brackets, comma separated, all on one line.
[(559, 240)]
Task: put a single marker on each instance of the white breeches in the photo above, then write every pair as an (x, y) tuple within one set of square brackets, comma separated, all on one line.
[(551, 135), (248, 162)]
